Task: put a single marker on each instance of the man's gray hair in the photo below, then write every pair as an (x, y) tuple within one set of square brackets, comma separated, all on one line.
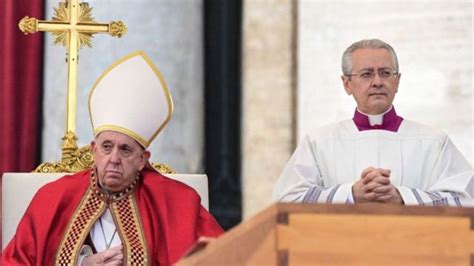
[(369, 43)]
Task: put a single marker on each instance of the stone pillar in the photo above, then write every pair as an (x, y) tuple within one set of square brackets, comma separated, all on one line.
[(268, 107)]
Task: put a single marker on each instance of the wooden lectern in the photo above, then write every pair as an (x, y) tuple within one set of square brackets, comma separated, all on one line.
[(375, 234)]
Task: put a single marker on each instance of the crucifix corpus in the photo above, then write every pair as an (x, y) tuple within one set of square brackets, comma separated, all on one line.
[(73, 27)]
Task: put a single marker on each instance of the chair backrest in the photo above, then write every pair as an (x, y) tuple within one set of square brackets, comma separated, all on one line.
[(19, 188)]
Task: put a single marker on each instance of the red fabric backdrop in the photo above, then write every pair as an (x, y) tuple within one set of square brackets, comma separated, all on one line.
[(20, 87)]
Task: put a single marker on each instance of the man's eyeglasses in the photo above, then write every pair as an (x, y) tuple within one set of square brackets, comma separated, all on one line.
[(369, 75)]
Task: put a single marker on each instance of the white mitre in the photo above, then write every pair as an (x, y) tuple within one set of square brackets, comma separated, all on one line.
[(131, 97)]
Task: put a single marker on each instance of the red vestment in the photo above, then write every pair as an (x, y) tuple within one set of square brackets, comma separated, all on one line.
[(169, 217)]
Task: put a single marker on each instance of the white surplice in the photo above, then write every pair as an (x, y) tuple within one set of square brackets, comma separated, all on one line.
[(426, 167), (105, 234)]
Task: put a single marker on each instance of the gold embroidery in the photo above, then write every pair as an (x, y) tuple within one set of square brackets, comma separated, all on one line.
[(90, 208), (126, 216), (130, 228)]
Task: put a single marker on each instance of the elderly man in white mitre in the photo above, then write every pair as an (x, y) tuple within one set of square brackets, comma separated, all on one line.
[(120, 212)]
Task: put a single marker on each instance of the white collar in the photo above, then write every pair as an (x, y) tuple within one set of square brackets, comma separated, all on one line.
[(375, 119)]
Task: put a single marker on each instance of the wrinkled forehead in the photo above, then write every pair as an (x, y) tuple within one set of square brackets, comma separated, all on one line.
[(372, 58), (118, 138)]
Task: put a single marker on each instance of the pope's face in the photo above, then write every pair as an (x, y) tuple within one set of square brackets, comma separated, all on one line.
[(374, 95), (118, 159)]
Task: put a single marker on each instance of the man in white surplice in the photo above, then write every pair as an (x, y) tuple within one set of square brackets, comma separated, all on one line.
[(377, 156)]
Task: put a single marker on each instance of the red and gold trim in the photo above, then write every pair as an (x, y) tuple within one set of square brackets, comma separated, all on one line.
[(129, 227), (127, 220), (89, 210)]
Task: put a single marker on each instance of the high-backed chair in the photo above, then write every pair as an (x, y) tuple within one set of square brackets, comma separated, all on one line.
[(19, 188)]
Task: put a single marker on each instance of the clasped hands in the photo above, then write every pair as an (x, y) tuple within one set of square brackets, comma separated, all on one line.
[(374, 186)]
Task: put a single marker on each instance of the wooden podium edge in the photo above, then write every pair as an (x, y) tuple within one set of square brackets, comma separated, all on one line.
[(377, 209), (278, 216)]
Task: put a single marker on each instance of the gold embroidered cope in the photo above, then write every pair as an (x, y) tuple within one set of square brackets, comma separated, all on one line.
[(125, 212)]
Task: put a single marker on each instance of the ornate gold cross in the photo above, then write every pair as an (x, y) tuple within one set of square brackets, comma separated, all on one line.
[(73, 27)]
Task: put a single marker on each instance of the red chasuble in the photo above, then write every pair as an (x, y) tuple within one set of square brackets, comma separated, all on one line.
[(158, 219)]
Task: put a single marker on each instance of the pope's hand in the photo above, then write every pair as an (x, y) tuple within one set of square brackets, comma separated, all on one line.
[(112, 256)]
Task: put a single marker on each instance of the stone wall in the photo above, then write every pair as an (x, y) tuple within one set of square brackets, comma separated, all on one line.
[(268, 98)]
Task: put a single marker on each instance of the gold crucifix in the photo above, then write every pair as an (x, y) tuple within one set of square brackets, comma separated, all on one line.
[(73, 27)]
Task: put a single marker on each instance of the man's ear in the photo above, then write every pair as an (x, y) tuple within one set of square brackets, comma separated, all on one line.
[(145, 157), (345, 83), (398, 81), (92, 145)]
